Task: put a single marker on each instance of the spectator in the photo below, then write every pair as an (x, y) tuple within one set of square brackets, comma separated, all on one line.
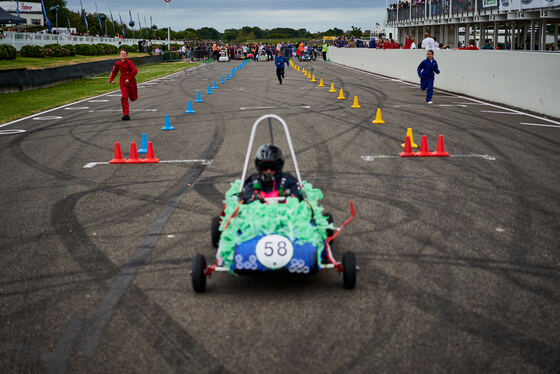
[(413, 44), (408, 41), (428, 42), (472, 46)]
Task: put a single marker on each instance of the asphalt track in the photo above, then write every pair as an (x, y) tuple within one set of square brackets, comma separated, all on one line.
[(459, 261)]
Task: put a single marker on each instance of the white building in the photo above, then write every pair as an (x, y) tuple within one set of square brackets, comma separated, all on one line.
[(32, 12)]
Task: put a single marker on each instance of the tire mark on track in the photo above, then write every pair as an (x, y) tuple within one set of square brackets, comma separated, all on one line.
[(172, 337)]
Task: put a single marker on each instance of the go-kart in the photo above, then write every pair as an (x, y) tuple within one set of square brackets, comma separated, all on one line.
[(278, 234), (223, 56)]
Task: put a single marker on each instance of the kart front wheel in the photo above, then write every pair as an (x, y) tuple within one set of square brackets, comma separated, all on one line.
[(215, 231), (349, 273), (197, 275)]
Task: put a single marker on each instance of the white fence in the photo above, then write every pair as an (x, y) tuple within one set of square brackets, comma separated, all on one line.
[(527, 80), (19, 39)]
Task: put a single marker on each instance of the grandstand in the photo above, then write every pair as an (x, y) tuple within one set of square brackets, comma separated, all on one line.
[(510, 24)]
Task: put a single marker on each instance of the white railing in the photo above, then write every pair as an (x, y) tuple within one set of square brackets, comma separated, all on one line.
[(19, 39)]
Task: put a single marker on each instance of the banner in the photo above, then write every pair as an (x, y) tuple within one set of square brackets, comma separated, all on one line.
[(515, 5), (84, 15), (489, 3), (22, 6)]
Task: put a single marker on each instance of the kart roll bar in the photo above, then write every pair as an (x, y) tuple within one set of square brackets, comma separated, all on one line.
[(249, 149)]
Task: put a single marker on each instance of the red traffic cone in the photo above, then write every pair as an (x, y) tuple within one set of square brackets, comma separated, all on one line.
[(424, 152), (440, 150), (117, 155), (133, 155), (407, 149), (150, 157)]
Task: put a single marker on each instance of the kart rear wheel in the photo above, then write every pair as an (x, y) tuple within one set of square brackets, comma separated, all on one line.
[(197, 275), (215, 231), (349, 273)]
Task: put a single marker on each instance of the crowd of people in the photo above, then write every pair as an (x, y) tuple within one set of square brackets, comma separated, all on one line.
[(255, 51)]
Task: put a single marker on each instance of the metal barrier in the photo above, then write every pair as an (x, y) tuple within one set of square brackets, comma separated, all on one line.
[(19, 39)]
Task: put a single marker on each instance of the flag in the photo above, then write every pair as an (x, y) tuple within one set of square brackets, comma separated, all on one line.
[(99, 19), (17, 10), (49, 24), (112, 20), (84, 15), (145, 23), (123, 33)]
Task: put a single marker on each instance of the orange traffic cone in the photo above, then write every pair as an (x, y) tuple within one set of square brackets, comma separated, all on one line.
[(440, 150), (117, 155), (332, 88), (355, 105), (407, 149), (378, 118), (424, 152), (150, 157), (133, 155)]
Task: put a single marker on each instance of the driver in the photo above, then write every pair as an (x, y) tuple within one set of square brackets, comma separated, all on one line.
[(270, 181)]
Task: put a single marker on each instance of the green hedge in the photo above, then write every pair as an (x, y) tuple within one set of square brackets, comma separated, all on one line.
[(129, 48), (7, 52), (57, 50)]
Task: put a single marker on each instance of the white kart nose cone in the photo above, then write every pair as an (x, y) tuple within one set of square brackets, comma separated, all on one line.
[(274, 251)]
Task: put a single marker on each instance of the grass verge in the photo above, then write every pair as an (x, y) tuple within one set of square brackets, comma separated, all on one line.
[(32, 63), (15, 105)]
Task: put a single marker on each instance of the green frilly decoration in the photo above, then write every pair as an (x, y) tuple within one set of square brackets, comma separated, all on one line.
[(292, 220)]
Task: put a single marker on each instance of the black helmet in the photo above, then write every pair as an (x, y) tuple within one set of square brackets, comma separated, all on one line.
[(269, 156)]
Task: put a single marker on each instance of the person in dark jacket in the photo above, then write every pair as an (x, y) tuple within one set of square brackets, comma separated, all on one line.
[(270, 180), (426, 71), (279, 61)]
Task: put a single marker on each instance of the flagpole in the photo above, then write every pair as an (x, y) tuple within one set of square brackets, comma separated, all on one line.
[(168, 28)]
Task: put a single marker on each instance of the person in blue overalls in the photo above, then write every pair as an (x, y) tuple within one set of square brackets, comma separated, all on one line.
[(279, 61), (426, 71)]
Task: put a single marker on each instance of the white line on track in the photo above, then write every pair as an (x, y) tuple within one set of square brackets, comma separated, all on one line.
[(120, 110), (456, 95), (497, 112), (47, 118), (77, 107), (11, 132), (377, 157), (98, 101), (115, 95), (203, 162), (537, 124)]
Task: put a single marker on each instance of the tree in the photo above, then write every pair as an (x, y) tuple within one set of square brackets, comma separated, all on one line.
[(334, 32), (191, 34), (230, 34), (209, 33), (356, 31)]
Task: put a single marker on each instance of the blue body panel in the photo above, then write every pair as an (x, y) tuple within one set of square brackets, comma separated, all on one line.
[(304, 259)]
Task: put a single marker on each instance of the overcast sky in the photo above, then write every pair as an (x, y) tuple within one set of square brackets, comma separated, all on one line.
[(312, 15)]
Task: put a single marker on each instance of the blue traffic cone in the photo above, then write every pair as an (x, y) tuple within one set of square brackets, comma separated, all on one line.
[(233, 73), (227, 77), (198, 98), (222, 81), (143, 144), (215, 86), (167, 125), (209, 91), (189, 108)]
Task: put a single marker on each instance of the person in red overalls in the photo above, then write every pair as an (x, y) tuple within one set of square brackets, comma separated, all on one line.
[(127, 81)]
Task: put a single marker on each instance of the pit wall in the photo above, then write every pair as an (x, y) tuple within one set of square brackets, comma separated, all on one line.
[(526, 80)]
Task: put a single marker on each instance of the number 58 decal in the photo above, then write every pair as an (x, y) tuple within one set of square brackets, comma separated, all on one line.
[(274, 251)]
